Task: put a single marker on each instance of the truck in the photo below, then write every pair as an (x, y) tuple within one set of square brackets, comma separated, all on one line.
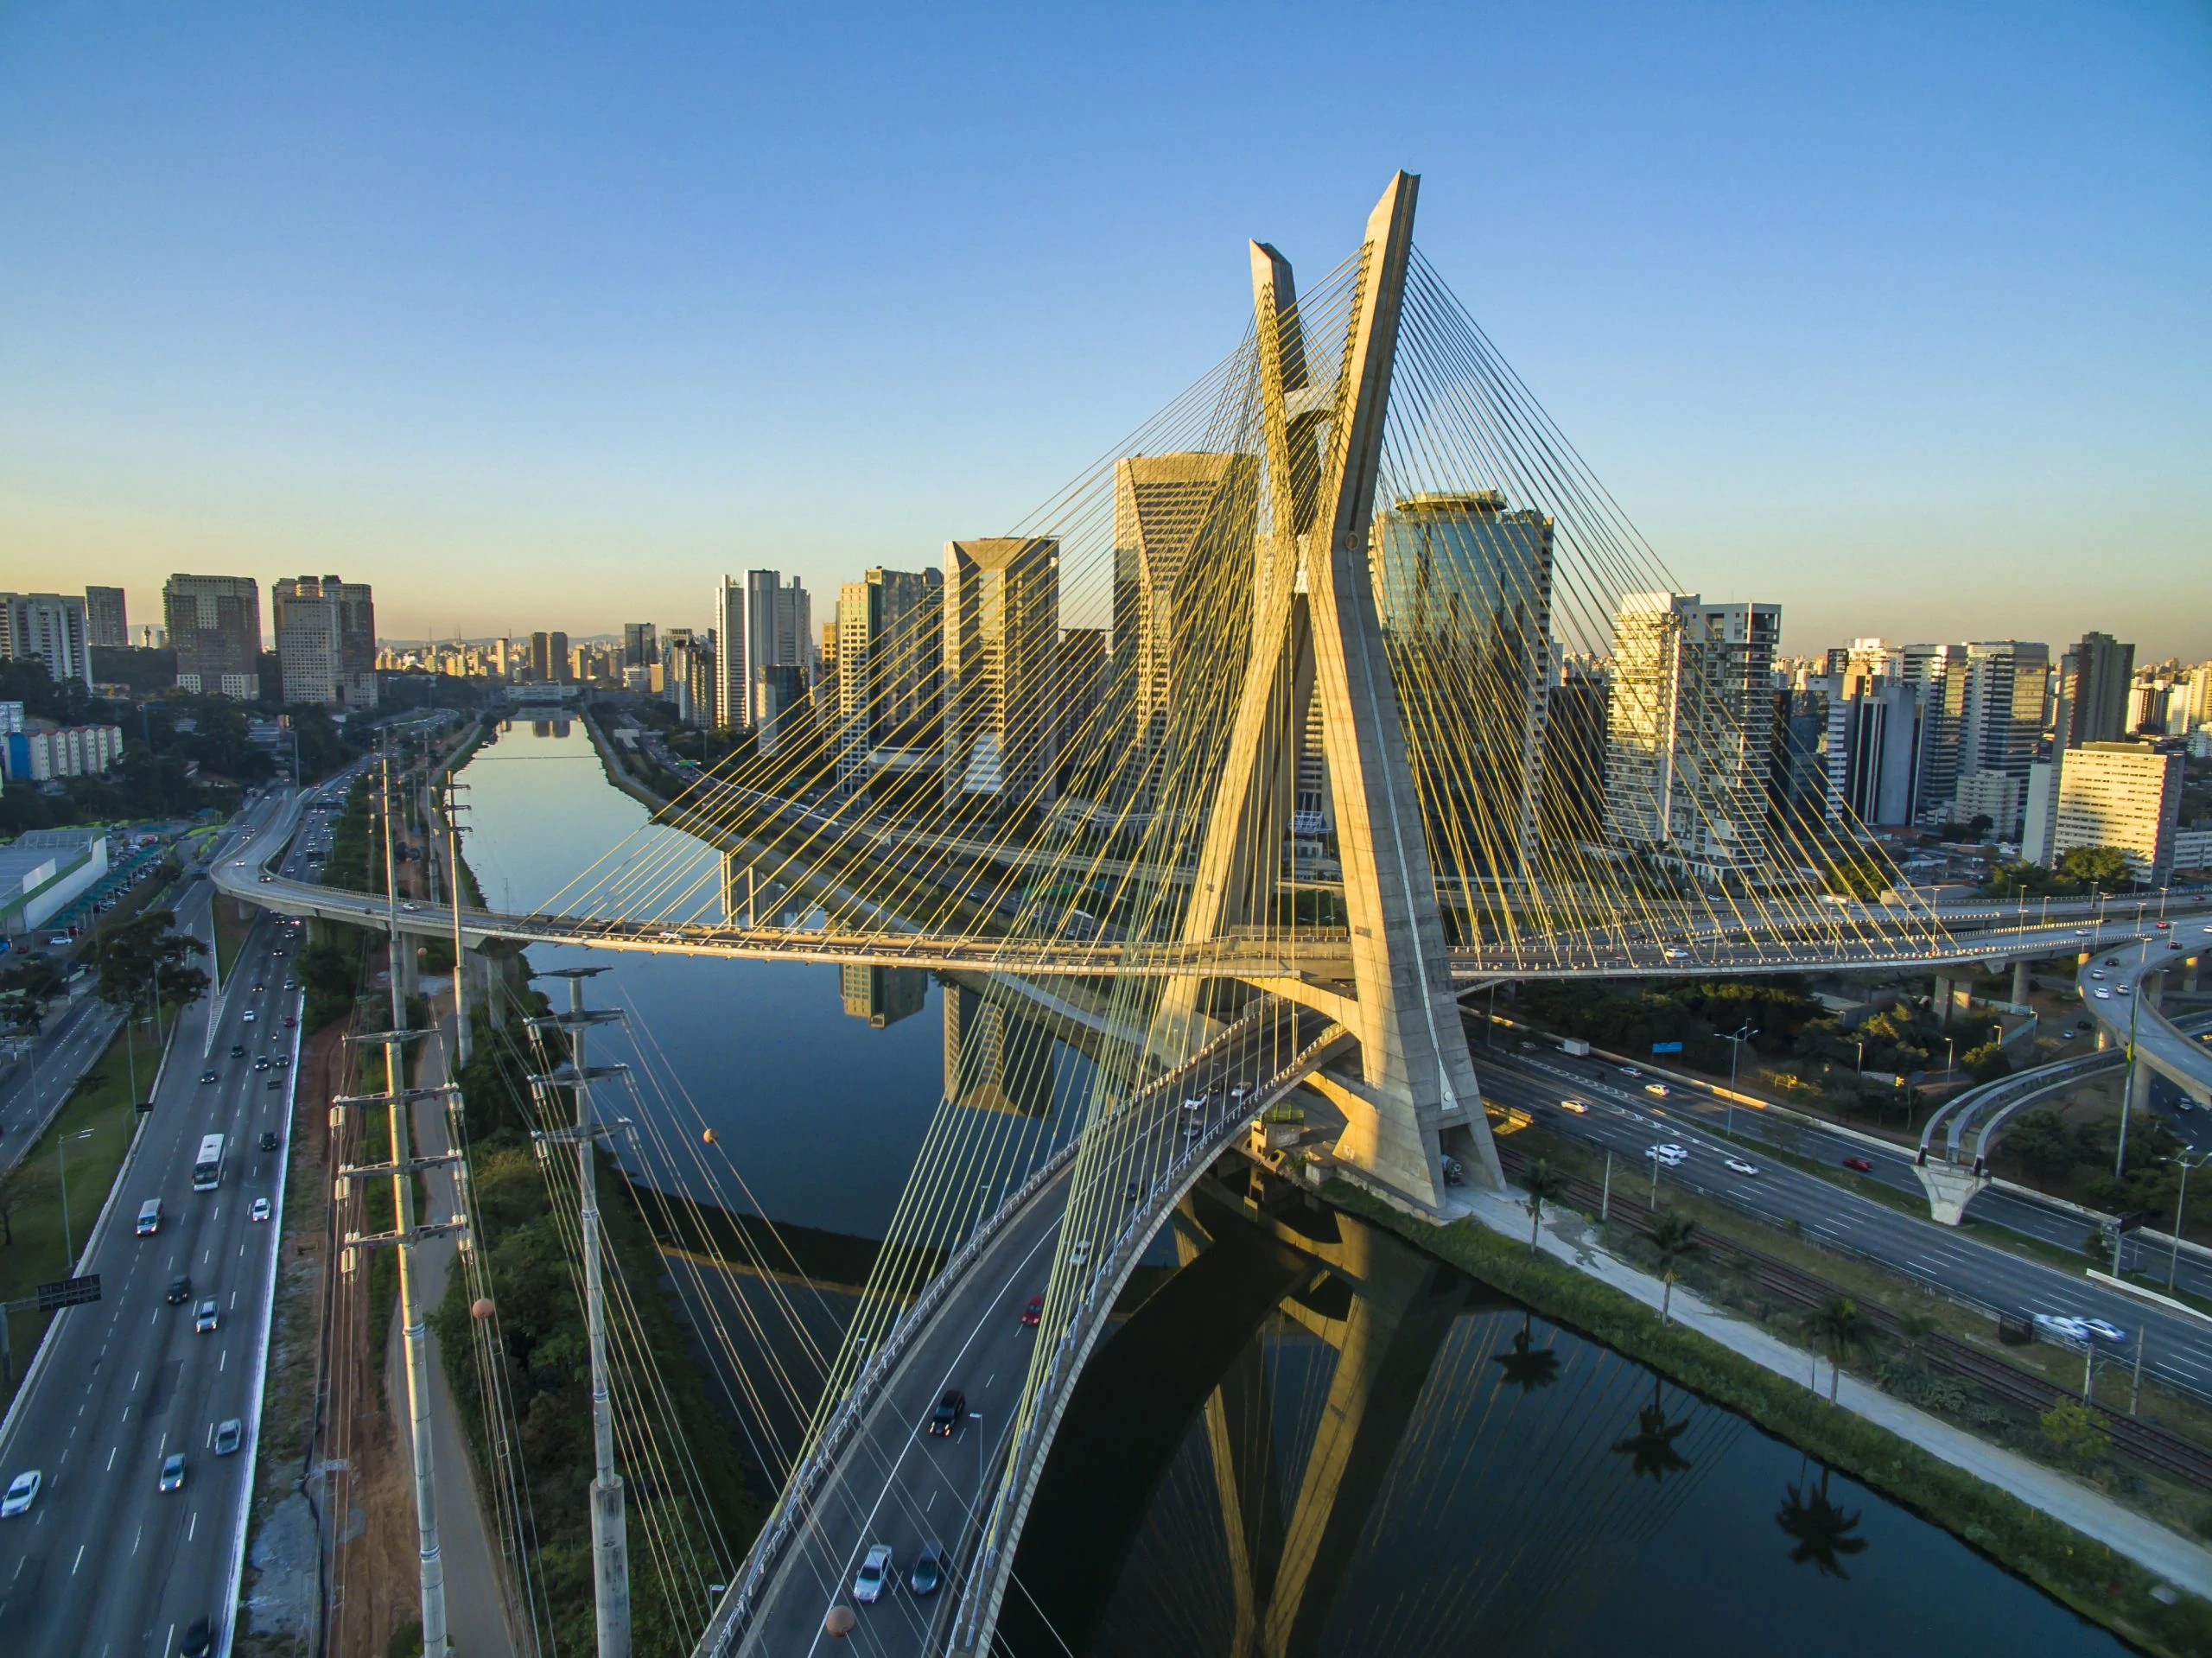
[(1575, 1045)]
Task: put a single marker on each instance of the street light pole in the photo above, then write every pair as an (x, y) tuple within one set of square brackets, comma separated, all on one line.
[(2181, 1204), (68, 1242), (1735, 1053)]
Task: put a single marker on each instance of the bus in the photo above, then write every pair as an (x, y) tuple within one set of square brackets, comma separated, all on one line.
[(207, 1167)]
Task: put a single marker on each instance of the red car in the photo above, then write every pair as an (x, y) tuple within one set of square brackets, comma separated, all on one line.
[(1858, 1163), (1033, 1313)]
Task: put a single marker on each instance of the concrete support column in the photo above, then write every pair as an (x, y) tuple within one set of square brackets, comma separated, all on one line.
[(2153, 990), (2188, 976), (2104, 1038), (1942, 1000), (2021, 982)]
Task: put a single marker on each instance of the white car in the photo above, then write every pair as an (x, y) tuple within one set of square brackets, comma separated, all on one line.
[(1195, 1102), (1737, 1165), (875, 1567), (23, 1492), (1630, 1070), (1667, 1152), (260, 1210), (2103, 1329), (2058, 1326), (1575, 1106), (1081, 1254), (1678, 955), (2104, 995)]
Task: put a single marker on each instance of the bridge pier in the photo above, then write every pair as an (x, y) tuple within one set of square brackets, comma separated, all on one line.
[(2022, 982), (1949, 1190)]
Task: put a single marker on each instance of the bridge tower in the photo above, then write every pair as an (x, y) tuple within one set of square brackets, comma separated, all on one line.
[(1414, 1097)]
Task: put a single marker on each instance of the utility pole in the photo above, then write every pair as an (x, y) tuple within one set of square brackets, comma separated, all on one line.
[(454, 809), (610, 1549), (406, 1235)]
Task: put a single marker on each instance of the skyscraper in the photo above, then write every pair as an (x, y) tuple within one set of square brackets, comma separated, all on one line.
[(1002, 629), (733, 704), (1183, 582), (778, 633), (1690, 731), (2092, 692), (107, 618), (639, 648), (50, 628), (1463, 585), (326, 641), (214, 624), (890, 674)]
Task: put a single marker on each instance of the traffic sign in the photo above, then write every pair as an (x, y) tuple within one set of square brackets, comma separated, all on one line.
[(69, 1292)]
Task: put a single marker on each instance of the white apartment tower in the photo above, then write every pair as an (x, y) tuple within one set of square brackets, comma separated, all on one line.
[(2122, 795), (48, 627), (1690, 731)]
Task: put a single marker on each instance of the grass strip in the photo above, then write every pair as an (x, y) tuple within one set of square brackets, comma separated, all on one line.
[(2093, 1579)]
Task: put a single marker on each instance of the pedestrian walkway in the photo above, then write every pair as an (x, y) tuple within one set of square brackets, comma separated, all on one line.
[(1570, 1238)]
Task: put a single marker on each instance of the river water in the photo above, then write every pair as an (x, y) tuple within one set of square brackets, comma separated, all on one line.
[(1312, 1438)]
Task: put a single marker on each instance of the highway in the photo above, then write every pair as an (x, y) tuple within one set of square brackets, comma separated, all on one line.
[(105, 1564), (1623, 1120), (36, 1086), (2111, 982)]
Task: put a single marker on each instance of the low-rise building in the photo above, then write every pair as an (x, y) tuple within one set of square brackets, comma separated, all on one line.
[(39, 752), (42, 871)]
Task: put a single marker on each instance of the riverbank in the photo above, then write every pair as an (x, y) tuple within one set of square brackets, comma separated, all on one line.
[(617, 772), (2151, 1586)]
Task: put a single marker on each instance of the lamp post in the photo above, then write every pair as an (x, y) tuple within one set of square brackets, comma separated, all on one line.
[(2181, 1203), (1735, 1052), (68, 1242)]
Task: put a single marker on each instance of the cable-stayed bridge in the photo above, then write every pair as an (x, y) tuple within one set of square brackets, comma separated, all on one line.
[(1341, 687)]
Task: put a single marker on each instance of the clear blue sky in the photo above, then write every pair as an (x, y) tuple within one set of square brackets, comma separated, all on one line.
[(545, 315)]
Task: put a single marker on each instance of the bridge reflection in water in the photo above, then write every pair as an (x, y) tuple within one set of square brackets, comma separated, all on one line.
[(1315, 1439)]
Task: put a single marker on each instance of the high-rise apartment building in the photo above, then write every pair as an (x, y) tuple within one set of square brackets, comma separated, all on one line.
[(326, 641), (640, 649), (688, 677), (2123, 795), (1982, 709), (1874, 752), (2091, 703), (1183, 583), (107, 618), (1690, 731), (733, 699), (1002, 608), (214, 624), (1464, 583), (1996, 796), (778, 633), (890, 674), (49, 628)]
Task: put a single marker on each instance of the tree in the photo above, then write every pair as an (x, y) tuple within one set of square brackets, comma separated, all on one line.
[(2045, 1144), (2074, 1429), (144, 953), (1989, 1062), (1527, 1367), (2099, 866), (20, 1184), (1543, 1184), (1673, 1238), (1914, 1328), (1821, 1529), (1867, 876), (1843, 1326), (26, 988)]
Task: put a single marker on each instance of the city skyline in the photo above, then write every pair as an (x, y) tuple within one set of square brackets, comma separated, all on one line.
[(1771, 326)]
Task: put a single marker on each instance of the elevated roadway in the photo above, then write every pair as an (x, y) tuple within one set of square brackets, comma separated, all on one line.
[(2112, 982)]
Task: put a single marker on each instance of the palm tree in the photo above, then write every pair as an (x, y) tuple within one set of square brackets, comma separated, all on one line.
[(1821, 1529), (1843, 1326), (1672, 1237), (1543, 1184), (1915, 1327), (1526, 1367), (1650, 1449)]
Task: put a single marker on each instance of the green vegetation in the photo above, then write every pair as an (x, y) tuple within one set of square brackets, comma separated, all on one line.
[(533, 1281), (2077, 872), (2094, 1581), (1865, 877)]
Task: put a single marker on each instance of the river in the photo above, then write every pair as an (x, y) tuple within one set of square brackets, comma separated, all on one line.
[(1312, 1438)]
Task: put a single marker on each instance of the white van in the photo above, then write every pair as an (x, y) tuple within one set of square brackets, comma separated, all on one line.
[(150, 1218)]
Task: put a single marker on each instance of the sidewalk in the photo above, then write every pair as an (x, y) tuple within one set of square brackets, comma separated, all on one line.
[(1568, 1237)]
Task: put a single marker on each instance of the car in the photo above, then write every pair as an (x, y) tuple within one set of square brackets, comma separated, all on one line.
[(2104, 1330), (281, 1061), (172, 1473), (207, 1075), (945, 1420), (1657, 1090), (1080, 1253), (248, 1016), (260, 1210), (238, 1050), (180, 1289), (1860, 1164), (1239, 1093), (228, 1434), (205, 1318), (269, 880), (2104, 995), (253, 990), (928, 1574), (23, 1492), (411, 904), (1032, 1312), (2118, 990), (1630, 1070), (198, 1640), (2164, 925), (279, 950), (269, 1141), (1527, 1047), (1194, 1103), (2097, 977), (1678, 955), (875, 1567), (2060, 1327), (1737, 1165), (1575, 1106), (1666, 1152), (150, 1218), (262, 1064), (290, 1022), (2112, 961)]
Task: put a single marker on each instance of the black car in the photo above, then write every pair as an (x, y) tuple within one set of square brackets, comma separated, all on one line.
[(198, 1640), (207, 1075), (238, 1051), (262, 1064), (180, 1289), (928, 1574), (269, 1140), (945, 1420)]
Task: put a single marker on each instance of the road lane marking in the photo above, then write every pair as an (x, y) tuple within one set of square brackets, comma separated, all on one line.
[(75, 1564), (109, 1468)]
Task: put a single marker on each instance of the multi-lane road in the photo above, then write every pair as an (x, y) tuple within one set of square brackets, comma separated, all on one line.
[(106, 1564), (1620, 1117), (35, 1087)]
